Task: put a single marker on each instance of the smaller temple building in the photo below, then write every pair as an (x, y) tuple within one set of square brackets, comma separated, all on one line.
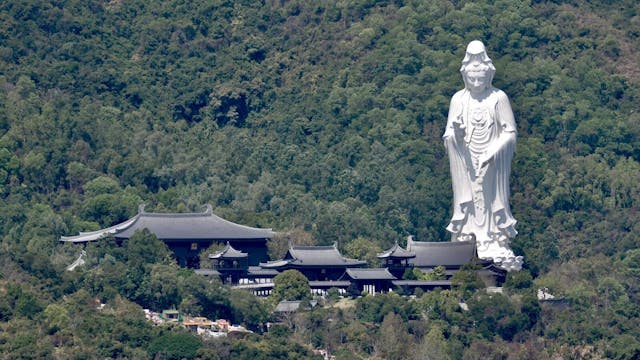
[(317, 263), (371, 281), (230, 263), (232, 267), (396, 260)]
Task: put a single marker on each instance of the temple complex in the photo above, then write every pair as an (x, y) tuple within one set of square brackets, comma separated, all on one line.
[(243, 261)]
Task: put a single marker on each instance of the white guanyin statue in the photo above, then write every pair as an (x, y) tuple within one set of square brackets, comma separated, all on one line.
[(480, 139)]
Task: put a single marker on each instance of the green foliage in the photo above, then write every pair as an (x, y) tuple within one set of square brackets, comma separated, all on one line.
[(411, 274), (518, 281), (279, 244), (333, 294), (466, 281), (486, 349), (145, 248), (374, 308), (530, 306), (175, 346), (363, 249), (392, 342), (15, 301), (290, 285), (441, 305), (205, 262), (438, 273), (623, 347), (434, 345), (248, 309), (495, 314), (265, 349)]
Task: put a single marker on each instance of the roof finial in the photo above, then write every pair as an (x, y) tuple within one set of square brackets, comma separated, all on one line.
[(141, 208), (409, 242)]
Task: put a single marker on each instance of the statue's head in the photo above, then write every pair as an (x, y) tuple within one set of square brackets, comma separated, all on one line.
[(477, 69)]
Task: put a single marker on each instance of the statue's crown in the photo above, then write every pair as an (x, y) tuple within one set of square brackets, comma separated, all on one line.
[(476, 47)]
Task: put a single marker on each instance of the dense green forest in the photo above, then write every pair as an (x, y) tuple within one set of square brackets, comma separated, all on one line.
[(323, 121)]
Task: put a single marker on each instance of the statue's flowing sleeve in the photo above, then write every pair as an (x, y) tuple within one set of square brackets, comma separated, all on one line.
[(458, 157), (506, 145)]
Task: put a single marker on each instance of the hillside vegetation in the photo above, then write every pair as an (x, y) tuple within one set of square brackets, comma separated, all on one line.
[(321, 120)]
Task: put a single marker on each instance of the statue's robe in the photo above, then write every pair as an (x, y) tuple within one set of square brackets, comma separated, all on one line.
[(480, 193)]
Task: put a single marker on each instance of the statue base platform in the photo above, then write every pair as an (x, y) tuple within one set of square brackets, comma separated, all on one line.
[(498, 250)]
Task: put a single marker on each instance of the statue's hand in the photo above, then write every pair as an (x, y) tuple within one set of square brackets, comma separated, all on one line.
[(456, 133), (451, 135), (448, 139)]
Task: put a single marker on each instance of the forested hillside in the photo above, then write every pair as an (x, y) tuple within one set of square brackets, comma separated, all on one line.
[(322, 120)]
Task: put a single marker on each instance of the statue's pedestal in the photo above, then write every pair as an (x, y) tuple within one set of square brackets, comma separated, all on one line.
[(493, 247), (498, 250)]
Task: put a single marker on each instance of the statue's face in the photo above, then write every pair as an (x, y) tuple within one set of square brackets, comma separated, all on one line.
[(477, 81), (477, 71)]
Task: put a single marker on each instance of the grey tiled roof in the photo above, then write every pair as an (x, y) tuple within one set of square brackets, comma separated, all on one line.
[(397, 252), (328, 284), (207, 272), (370, 274), (447, 253), (319, 256), (258, 271), (264, 286), (287, 306), (313, 256), (228, 252), (95, 235), (205, 226), (443, 283), (292, 306), (274, 264)]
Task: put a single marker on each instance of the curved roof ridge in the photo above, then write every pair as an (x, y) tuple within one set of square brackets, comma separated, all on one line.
[(397, 251), (313, 247), (443, 243), (274, 263), (369, 269), (153, 214), (202, 225), (317, 255), (97, 234), (234, 224), (208, 211), (228, 251)]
